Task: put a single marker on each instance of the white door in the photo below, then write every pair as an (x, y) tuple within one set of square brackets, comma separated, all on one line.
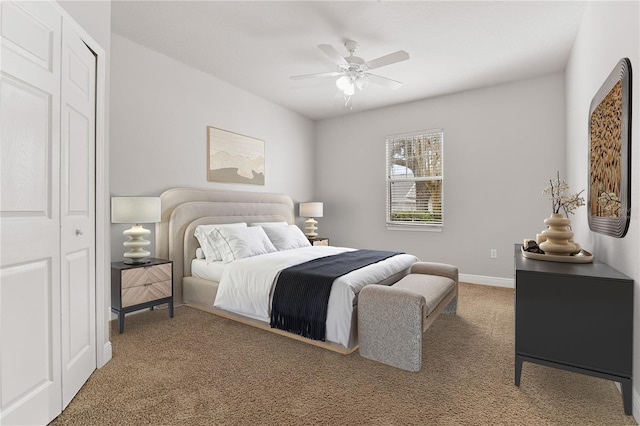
[(77, 212), (47, 213), (30, 213)]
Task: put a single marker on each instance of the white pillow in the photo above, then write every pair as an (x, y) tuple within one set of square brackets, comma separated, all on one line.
[(200, 253), (263, 224), (286, 237), (237, 243), (203, 234)]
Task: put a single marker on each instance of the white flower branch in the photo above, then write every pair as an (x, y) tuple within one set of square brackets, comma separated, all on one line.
[(560, 200)]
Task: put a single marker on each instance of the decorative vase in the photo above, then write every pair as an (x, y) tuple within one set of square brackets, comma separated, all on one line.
[(557, 236)]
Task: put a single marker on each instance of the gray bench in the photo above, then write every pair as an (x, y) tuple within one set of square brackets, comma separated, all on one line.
[(391, 319)]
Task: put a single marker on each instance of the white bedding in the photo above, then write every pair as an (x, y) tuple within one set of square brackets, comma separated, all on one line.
[(211, 271), (246, 285)]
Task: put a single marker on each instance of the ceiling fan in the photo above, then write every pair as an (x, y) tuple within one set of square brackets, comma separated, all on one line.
[(354, 71)]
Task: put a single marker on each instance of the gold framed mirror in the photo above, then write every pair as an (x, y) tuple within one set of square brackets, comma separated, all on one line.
[(609, 199)]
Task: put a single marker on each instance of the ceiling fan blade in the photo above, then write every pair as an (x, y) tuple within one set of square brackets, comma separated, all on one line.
[(334, 55), (389, 59), (384, 81), (322, 74)]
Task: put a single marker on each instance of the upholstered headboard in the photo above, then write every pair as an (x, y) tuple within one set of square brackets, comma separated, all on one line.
[(185, 208)]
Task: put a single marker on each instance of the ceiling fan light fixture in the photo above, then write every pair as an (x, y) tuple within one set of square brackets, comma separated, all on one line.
[(353, 71), (350, 89), (362, 81), (343, 83)]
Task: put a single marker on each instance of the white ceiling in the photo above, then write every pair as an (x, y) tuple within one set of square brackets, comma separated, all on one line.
[(454, 46)]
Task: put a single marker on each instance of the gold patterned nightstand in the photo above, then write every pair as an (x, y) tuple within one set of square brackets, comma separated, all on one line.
[(319, 241), (135, 287)]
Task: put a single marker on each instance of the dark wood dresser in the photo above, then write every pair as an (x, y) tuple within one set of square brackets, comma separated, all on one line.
[(575, 317)]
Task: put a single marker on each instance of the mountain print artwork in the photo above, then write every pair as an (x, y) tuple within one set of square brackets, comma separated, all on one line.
[(235, 158)]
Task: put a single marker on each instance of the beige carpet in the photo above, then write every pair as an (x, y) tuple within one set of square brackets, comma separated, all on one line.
[(200, 369)]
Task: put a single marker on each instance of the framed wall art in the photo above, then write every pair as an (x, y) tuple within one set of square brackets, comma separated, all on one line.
[(234, 158), (609, 200)]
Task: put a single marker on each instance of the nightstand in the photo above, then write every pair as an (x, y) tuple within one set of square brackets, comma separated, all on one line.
[(319, 241), (135, 287)]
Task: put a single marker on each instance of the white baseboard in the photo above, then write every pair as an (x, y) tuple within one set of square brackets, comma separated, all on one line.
[(483, 280), (106, 354)]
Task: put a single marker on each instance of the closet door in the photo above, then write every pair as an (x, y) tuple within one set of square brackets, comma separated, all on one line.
[(77, 213), (30, 213)]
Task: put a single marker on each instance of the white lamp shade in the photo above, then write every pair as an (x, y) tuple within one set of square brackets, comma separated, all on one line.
[(135, 210), (362, 82), (343, 82), (350, 90), (312, 209)]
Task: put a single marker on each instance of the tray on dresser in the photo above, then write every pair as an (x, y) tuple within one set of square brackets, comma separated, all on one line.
[(582, 256)]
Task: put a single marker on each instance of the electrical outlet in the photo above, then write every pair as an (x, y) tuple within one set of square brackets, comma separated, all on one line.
[(494, 253)]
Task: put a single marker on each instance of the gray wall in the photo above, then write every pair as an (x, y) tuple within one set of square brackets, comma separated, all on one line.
[(160, 110), (609, 31), (501, 146)]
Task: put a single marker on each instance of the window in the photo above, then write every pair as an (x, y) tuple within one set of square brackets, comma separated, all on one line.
[(414, 180)]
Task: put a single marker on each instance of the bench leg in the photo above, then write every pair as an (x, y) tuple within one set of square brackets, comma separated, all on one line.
[(452, 307)]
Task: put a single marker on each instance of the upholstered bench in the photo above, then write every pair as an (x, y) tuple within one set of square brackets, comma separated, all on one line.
[(391, 319)]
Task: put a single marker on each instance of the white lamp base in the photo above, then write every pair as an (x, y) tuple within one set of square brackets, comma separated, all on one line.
[(136, 242), (310, 229)]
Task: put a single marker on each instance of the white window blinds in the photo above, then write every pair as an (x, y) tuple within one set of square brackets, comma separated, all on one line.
[(414, 179)]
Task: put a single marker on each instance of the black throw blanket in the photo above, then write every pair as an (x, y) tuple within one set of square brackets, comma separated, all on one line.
[(301, 296)]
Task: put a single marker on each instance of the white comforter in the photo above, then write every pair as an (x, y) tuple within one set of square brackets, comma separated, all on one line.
[(246, 286)]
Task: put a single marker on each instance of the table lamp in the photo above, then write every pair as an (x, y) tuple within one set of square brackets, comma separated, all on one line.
[(311, 210), (135, 210)]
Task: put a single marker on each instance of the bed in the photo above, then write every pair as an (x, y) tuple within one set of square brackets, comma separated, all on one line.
[(184, 209)]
